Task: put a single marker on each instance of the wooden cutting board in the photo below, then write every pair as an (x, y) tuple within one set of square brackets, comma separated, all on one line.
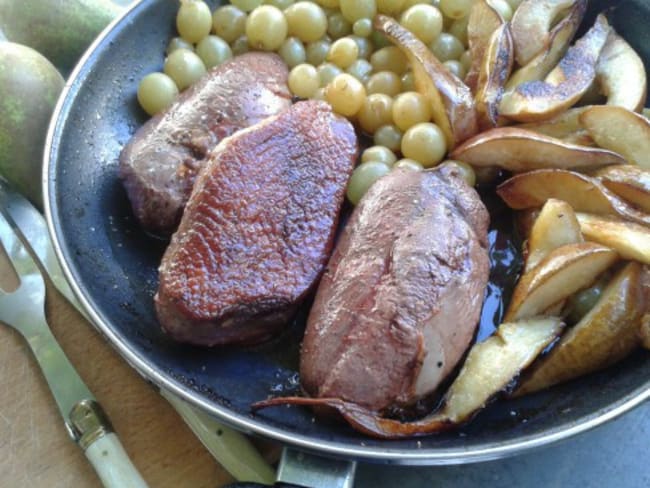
[(35, 449)]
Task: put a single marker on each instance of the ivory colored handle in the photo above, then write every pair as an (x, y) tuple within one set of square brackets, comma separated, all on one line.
[(112, 464)]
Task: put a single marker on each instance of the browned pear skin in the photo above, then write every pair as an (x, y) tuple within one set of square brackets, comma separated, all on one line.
[(483, 21), (520, 150), (584, 193), (605, 335), (451, 100), (562, 87), (494, 71)]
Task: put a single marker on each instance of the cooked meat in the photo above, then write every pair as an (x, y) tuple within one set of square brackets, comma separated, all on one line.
[(258, 228), (160, 163), (401, 297)]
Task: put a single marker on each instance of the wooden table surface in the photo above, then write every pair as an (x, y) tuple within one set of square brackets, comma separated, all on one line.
[(35, 450)]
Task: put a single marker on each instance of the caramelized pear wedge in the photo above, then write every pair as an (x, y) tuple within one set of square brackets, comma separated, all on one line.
[(555, 226), (629, 182), (620, 130), (566, 127), (563, 86), (531, 25), (560, 126), (583, 193), (605, 335), (644, 331), (520, 150), (452, 103), (630, 240), (494, 71), (489, 368), (560, 39), (483, 21), (560, 274), (492, 364), (621, 75)]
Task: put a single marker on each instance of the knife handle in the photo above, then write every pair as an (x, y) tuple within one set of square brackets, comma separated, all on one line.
[(112, 464), (93, 432)]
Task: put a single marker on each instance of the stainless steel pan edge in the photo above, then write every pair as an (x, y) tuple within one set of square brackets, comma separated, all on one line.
[(489, 451)]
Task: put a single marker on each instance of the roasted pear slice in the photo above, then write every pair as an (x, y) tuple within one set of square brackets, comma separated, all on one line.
[(520, 150), (621, 75), (549, 55), (560, 274), (583, 193), (555, 226), (630, 240), (620, 130), (629, 182), (531, 25), (494, 71), (562, 87), (483, 21), (489, 368), (644, 331), (452, 103), (605, 335), (560, 126)]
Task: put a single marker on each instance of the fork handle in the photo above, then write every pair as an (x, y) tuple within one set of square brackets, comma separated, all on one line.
[(112, 464), (92, 431)]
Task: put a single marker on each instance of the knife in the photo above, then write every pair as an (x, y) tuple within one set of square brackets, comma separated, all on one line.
[(230, 448)]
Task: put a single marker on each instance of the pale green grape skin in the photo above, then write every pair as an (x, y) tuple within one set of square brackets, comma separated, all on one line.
[(447, 47), (316, 52), (307, 21), (389, 136), (156, 92), (266, 28), (229, 23), (293, 52), (365, 46), (425, 143), (178, 43), (343, 52), (240, 46), (184, 67), (465, 170), (409, 164), (424, 21), (338, 26), (379, 153), (327, 72), (363, 177), (193, 20), (213, 51), (303, 80), (246, 5), (360, 69), (362, 27), (281, 4), (354, 10), (456, 68)]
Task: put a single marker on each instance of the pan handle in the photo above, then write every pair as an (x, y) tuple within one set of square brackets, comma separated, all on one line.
[(299, 469)]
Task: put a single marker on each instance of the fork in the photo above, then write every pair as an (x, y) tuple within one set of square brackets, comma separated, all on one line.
[(87, 424)]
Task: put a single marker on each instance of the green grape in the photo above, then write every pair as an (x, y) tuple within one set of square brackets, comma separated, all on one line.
[(156, 92), (193, 20), (363, 177), (229, 23), (184, 67), (213, 51), (246, 5)]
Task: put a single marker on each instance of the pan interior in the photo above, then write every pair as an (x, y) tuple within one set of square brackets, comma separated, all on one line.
[(113, 266)]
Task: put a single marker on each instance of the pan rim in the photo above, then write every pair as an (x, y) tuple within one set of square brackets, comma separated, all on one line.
[(441, 456)]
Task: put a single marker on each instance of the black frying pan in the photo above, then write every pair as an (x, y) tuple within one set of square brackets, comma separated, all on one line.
[(112, 266)]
